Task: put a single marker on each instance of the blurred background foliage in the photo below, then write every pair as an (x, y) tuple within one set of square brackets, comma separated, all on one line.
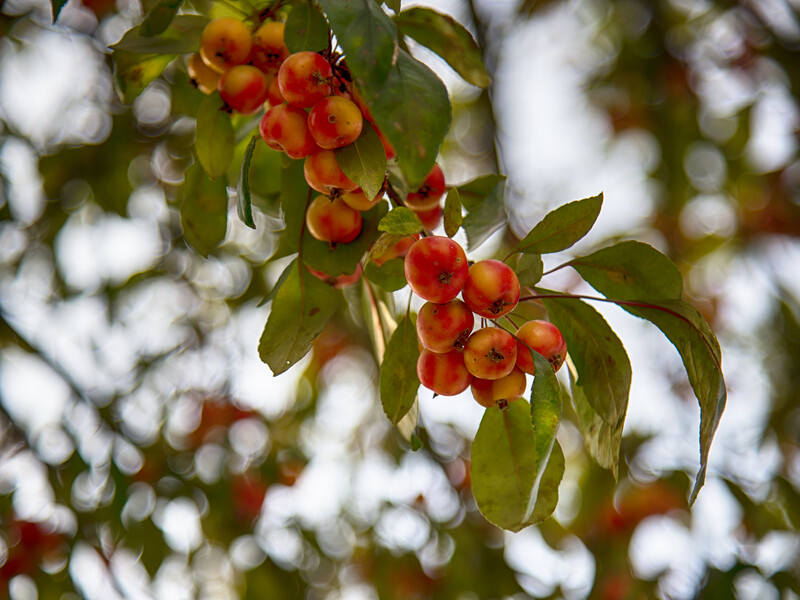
[(145, 452)]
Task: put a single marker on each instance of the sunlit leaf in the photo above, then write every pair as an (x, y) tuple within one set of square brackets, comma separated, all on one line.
[(213, 136), (364, 161), (453, 216), (401, 221), (398, 380), (306, 28), (204, 210), (545, 413), (448, 38), (243, 206), (300, 311), (134, 72), (181, 37), (562, 227)]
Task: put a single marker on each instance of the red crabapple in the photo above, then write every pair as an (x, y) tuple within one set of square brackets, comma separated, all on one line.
[(492, 289), (284, 127), (436, 269), (269, 49), (335, 122), (337, 281), (444, 327), (432, 218), (304, 79), (274, 93), (490, 353), (444, 374), (429, 193), (243, 88), (325, 175), (546, 339), (489, 392), (225, 42), (332, 220)]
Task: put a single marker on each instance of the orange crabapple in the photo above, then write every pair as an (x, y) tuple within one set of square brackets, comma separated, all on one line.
[(491, 289), (444, 327), (444, 374), (203, 77), (333, 221), (359, 201), (274, 93), (429, 192), (285, 128), (305, 78), (269, 49), (490, 353), (243, 88), (334, 122), (493, 392), (225, 42), (324, 174), (546, 339), (436, 268)]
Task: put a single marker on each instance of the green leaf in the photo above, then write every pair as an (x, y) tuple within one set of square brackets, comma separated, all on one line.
[(204, 210), (364, 161), (397, 107), (393, 4), (159, 17), (448, 38), (295, 196), (181, 37), (300, 311), (390, 276), (699, 349), (306, 29), (398, 379), (601, 439), (244, 209), (529, 269), (57, 6), (503, 470), (281, 280), (368, 37), (545, 412), (485, 217), (134, 72), (213, 138), (547, 498), (401, 221), (562, 227), (604, 370), (382, 244), (452, 212), (342, 259), (474, 192), (630, 271)]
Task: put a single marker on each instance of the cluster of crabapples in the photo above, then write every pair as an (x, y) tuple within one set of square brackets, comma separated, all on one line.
[(490, 360), (312, 110)]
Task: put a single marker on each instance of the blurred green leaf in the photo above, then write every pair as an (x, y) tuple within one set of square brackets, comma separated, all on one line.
[(159, 17), (529, 269), (243, 206), (562, 227), (300, 311), (57, 5), (448, 38), (306, 28), (204, 210), (181, 37), (486, 215), (389, 276), (364, 161), (398, 378), (401, 221), (453, 216), (134, 72), (474, 192), (213, 136)]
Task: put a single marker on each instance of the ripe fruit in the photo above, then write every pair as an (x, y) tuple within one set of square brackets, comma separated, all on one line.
[(335, 122), (274, 93), (492, 289), (429, 193), (285, 128), (243, 88), (337, 281), (225, 42), (304, 79), (325, 175), (546, 339), (490, 392), (444, 327), (436, 269), (359, 201), (332, 220), (269, 49), (432, 218), (445, 374), (490, 353), (398, 250), (203, 77)]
